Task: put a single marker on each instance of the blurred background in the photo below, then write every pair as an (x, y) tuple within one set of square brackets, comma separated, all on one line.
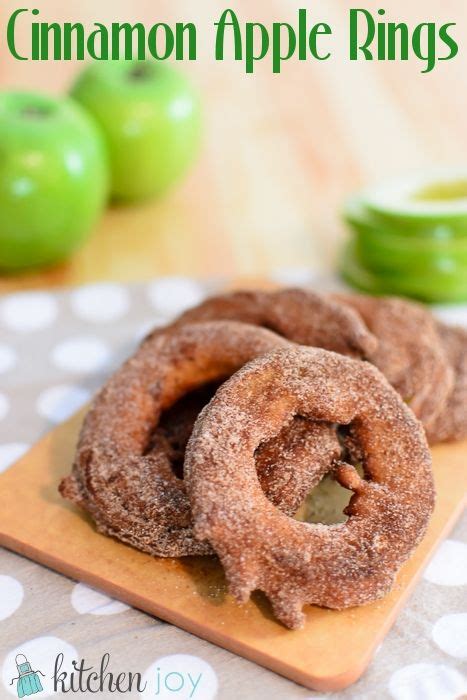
[(280, 152)]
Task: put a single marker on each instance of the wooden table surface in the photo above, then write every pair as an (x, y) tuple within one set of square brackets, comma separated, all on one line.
[(280, 152)]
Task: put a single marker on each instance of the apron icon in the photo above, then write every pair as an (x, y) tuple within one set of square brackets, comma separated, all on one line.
[(28, 681)]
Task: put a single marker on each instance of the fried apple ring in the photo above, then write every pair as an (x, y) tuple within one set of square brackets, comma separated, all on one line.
[(409, 353), (288, 466), (300, 315), (294, 563), (451, 423), (123, 476)]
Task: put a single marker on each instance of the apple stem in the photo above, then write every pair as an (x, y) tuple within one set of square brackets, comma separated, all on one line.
[(33, 112), (140, 72)]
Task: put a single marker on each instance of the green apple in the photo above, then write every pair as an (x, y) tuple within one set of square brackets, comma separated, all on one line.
[(53, 178), (150, 117)]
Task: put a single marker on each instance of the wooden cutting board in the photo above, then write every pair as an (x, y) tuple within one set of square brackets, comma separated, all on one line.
[(330, 653)]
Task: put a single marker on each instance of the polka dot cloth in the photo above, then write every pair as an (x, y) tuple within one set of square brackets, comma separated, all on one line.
[(293, 277), (100, 303), (55, 351), (449, 565), (450, 634), (87, 600), (28, 313), (171, 296), (10, 452), (81, 355), (427, 681), (4, 405), (60, 402), (7, 358), (11, 596)]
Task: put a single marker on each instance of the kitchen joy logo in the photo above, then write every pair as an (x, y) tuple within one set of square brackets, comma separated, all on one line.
[(27, 680), (177, 676)]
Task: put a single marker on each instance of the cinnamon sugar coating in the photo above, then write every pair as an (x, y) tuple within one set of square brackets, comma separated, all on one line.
[(299, 315), (288, 466), (409, 352), (123, 474), (294, 563), (451, 423), (302, 316)]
